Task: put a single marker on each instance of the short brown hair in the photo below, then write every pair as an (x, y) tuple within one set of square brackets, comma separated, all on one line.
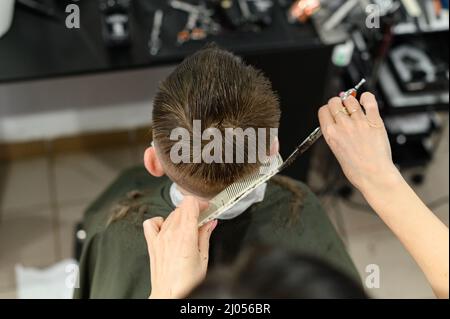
[(218, 88)]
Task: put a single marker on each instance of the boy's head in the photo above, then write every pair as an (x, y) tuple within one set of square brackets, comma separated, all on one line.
[(217, 88)]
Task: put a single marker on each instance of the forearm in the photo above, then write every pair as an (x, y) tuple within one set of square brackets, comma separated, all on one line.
[(424, 236)]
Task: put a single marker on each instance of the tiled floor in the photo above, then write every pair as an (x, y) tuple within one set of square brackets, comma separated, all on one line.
[(41, 199)]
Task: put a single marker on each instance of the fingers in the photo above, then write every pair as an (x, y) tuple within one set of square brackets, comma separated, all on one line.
[(338, 110), (327, 124), (187, 212), (325, 117), (152, 228), (190, 209), (204, 235), (353, 108), (173, 219), (370, 105)]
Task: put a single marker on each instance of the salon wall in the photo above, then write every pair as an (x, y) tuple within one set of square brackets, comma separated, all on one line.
[(47, 109)]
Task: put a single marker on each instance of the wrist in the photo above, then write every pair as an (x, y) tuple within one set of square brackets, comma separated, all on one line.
[(381, 183)]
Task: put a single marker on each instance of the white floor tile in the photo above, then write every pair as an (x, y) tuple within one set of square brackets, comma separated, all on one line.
[(27, 238), (400, 277), (23, 184), (83, 176)]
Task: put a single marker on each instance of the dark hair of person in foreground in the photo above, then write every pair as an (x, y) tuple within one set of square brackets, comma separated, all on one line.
[(271, 273)]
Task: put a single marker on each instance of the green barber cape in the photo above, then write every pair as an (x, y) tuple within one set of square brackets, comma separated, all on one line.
[(115, 264)]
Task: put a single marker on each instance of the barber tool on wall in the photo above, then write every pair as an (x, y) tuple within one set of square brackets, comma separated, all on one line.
[(199, 23), (272, 166), (116, 22), (155, 37), (246, 14)]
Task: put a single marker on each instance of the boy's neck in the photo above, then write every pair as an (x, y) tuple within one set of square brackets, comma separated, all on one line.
[(256, 196)]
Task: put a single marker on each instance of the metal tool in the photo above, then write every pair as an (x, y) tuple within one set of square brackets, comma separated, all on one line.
[(317, 133), (245, 10), (115, 19), (186, 34), (352, 91), (190, 8), (155, 37), (199, 23), (272, 166)]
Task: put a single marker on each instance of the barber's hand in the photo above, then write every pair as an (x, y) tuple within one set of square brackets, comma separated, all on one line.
[(178, 250), (359, 140)]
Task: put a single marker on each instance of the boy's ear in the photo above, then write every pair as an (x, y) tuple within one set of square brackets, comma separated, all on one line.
[(275, 146), (152, 163)]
